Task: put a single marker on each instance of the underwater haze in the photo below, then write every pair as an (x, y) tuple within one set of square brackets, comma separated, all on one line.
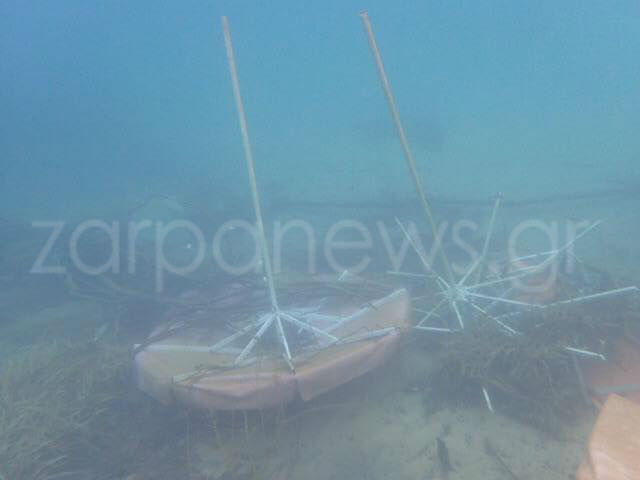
[(164, 315), (120, 99)]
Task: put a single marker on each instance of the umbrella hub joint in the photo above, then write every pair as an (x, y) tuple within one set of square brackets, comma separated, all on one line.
[(457, 293)]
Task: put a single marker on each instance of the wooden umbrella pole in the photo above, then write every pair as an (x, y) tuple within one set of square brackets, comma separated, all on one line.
[(403, 138), (262, 237)]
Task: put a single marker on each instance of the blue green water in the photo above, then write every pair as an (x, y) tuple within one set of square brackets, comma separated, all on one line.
[(112, 98), (107, 105)]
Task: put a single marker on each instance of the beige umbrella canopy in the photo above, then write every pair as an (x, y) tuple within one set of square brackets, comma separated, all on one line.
[(318, 346), (191, 369)]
